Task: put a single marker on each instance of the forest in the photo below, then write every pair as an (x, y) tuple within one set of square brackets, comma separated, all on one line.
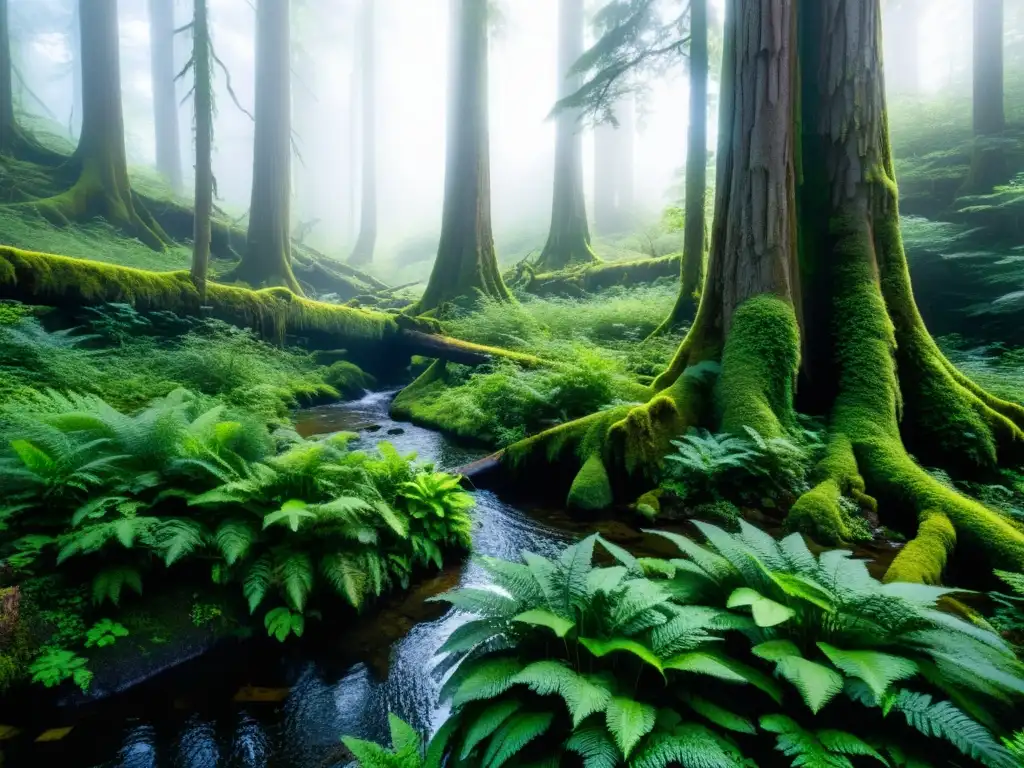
[(526, 383)]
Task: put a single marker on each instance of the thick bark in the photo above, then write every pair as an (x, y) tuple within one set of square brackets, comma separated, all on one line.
[(362, 253), (267, 257), (165, 100), (202, 60), (569, 237), (989, 165), (695, 225), (102, 188), (867, 359), (613, 171), (466, 263)]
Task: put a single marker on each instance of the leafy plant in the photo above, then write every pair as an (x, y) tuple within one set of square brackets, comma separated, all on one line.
[(435, 501), (1009, 616), (55, 665), (103, 633), (281, 622), (407, 749)]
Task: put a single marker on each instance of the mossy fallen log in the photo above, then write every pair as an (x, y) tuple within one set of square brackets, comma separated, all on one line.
[(581, 280), (375, 339)]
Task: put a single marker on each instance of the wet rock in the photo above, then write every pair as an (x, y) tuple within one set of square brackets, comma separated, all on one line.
[(396, 431), (371, 428)]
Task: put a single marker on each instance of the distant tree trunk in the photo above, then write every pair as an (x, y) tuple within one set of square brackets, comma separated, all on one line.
[(569, 237), (613, 171), (267, 257), (14, 141), (202, 54), (165, 100), (362, 253), (102, 188), (988, 163), (902, 36), (695, 226), (466, 263)]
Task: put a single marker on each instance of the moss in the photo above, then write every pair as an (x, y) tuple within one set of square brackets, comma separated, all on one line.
[(649, 504), (595, 276), (420, 403), (348, 379), (723, 513), (759, 366), (591, 490), (923, 559), (819, 513)]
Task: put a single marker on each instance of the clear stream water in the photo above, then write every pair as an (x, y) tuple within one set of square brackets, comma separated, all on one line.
[(187, 718)]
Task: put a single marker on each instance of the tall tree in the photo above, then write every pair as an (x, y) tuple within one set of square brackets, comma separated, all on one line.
[(165, 100), (807, 277), (362, 253), (569, 237), (14, 140), (989, 165), (267, 258), (466, 263), (695, 216), (613, 169), (102, 187), (203, 106)]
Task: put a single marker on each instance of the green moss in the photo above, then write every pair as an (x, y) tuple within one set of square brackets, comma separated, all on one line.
[(820, 512), (923, 559), (591, 490), (348, 379), (649, 504), (759, 366), (596, 276)]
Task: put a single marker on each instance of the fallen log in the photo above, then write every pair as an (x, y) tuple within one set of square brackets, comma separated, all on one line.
[(375, 339), (578, 281)]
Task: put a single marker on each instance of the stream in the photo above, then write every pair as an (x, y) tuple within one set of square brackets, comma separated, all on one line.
[(189, 717)]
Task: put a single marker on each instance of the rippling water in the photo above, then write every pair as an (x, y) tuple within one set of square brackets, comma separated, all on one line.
[(187, 719)]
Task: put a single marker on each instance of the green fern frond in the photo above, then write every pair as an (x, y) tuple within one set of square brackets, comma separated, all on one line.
[(110, 582), (690, 745), (595, 746), (817, 684), (258, 580), (514, 734), (583, 695), (234, 538), (878, 670), (345, 576), (483, 602), (718, 715), (629, 721), (178, 539), (486, 679), (484, 724), (295, 571)]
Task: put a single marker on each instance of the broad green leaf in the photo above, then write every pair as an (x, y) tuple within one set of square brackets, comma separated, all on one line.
[(718, 715), (774, 650), (541, 618), (878, 670), (602, 648), (817, 683), (629, 721), (767, 612)]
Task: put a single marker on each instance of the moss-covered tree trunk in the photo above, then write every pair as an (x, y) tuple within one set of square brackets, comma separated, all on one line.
[(14, 141), (466, 264), (165, 100), (202, 68), (569, 237), (268, 254), (362, 253), (807, 277), (613, 171), (988, 162), (102, 188), (695, 224)]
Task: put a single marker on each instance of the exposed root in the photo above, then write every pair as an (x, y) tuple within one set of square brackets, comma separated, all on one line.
[(819, 512), (924, 557)]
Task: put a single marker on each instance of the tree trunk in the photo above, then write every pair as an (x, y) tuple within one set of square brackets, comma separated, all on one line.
[(165, 100), (613, 171), (362, 253), (858, 341), (989, 165), (267, 258), (902, 29), (102, 188), (466, 263), (569, 237), (695, 226), (14, 141), (202, 56)]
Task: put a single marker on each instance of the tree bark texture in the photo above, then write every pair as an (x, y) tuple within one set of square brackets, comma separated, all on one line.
[(202, 54), (362, 253), (165, 100), (613, 171), (267, 258), (466, 263), (569, 237)]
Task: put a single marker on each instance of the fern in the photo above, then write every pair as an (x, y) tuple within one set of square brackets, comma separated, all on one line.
[(109, 583), (281, 622), (513, 735), (629, 721), (595, 746), (233, 539), (583, 695)]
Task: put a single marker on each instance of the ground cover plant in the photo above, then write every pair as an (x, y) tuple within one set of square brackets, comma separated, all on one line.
[(743, 651)]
